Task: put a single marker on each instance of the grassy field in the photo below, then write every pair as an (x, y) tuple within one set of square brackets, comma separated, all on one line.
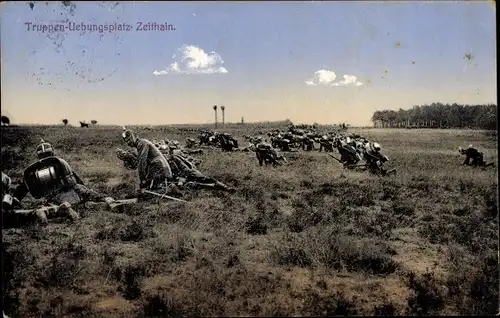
[(308, 238)]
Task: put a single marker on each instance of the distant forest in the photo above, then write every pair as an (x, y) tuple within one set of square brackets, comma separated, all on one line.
[(439, 115)]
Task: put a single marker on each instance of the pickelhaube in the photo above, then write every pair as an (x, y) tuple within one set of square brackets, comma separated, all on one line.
[(44, 149)]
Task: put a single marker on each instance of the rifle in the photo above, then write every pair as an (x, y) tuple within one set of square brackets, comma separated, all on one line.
[(333, 157), (112, 205), (52, 209), (162, 195), (117, 205), (41, 212)]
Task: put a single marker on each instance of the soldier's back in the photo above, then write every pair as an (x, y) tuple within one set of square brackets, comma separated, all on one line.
[(152, 151), (48, 175)]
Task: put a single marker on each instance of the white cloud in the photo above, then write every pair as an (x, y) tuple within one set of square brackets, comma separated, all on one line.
[(327, 78), (348, 80), (322, 77), (194, 60)]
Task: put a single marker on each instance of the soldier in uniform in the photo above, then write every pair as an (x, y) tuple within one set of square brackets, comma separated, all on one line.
[(262, 150), (190, 143), (183, 172), (152, 165), (473, 157), (374, 159), (226, 141), (266, 153), (175, 149), (284, 144), (187, 174), (53, 178), (325, 143), (206, 137), (348, 155)]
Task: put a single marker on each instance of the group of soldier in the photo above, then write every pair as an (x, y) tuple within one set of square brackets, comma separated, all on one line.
[(353, 149), (165, 167), (224, 141), (295, 138)]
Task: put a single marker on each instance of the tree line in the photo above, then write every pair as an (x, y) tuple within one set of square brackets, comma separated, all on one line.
[(438, 115)]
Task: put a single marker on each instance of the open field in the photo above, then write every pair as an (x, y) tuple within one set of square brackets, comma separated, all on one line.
[(307, 238)]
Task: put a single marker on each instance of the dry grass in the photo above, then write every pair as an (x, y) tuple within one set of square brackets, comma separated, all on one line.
[(304, 239)]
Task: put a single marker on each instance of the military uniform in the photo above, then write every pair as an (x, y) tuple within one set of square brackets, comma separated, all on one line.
[(185, 172), (263, 152), (284, 144), (190, 143), (325, 143), (53, 179), (374, 159), (227, 142), (206, 137), (348, 154), (266, 153), (473, 157), (152, 165)]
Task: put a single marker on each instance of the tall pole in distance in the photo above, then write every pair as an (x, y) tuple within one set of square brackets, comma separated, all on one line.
[(215, 110), (223, 119)]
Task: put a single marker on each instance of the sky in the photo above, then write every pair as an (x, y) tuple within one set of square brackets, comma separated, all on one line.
[(310, 62)]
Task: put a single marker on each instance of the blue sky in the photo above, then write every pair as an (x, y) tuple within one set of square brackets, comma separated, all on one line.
[(367, 56)]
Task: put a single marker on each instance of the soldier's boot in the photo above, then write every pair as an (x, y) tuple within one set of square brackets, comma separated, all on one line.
[(66, 209)]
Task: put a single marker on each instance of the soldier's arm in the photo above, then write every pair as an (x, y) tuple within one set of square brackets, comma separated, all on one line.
[(142, 159)]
